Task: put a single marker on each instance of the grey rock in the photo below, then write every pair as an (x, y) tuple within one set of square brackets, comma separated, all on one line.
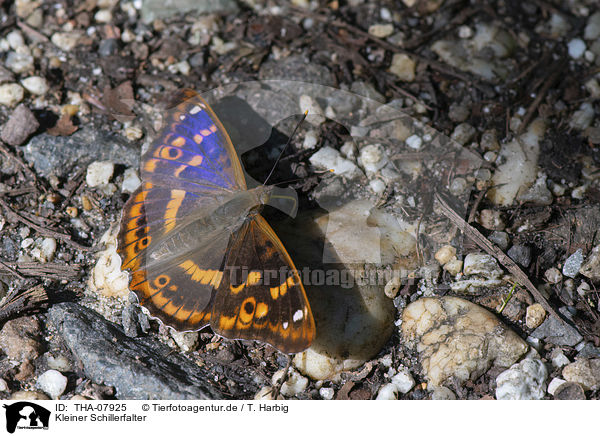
[(154, 9), (569, 391), (520, 254), (557, 332), (57, 154), (573, 263), (21, 124), (139, 369)]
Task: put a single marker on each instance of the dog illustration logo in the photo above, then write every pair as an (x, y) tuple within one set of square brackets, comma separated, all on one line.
[(26, 415)]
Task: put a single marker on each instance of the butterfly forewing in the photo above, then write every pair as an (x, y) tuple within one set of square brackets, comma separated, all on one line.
[(261, 295)]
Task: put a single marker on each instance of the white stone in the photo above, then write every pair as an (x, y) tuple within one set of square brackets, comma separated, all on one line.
[(131, 181), (36, 85), (315, 112), (445, 254), (106, 277), (11, 94), (15, 39), (372, 158), (559, 359), (554, 384), (19, 61), (483, 265), (103, 16), (576, 48), (456, 338), (583, 117), (66, 41), (311, 140), (99, 173), (525, 380), (53, 383), (403, 380), (294, 384), (387, 392), (329, 158), (414, 141), (403, 66), (381, 30)]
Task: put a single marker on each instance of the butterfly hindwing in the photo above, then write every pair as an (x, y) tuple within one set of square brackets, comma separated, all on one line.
[(261, 295)]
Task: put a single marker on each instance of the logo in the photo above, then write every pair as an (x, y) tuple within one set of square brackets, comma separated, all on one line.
[(26, 415)]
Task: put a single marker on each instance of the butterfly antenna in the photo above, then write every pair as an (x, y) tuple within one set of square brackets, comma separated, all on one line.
[(285, 148)]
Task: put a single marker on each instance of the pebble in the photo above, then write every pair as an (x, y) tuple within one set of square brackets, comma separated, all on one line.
[(569, 391), (99, 173), (36, 85), (315, 115), (455, 337), (573, 263), (454, 266), (53, 383), (553, 275), (294, 384), (311, 140), (586, 372), (483, 265), (381, 30), (445, 254), (331, 159), (11, 94), (592, 28), (521, 254), (491, 219), (576, 48), (535, 316), (558, 358), (372, 158), (20, 125), (20, 61), (20, 339), (326, 393), (131, 181), (28, 395), (403, 66), (583, 117), (591, 267), (463, 133), (554, 384), (523, 381), (414, 141), (387, 392), (458, 112), (557, 332), (442, 393), (403, 381), (377, 186), (66, 41)]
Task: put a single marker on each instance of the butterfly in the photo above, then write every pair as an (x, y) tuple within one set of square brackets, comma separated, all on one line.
[(198, 251)]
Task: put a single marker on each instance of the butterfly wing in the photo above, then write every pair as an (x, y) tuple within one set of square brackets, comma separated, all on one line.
[(189, 170), (268, 303)]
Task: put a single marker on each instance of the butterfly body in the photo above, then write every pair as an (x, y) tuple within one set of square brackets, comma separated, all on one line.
[(199, 251)]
